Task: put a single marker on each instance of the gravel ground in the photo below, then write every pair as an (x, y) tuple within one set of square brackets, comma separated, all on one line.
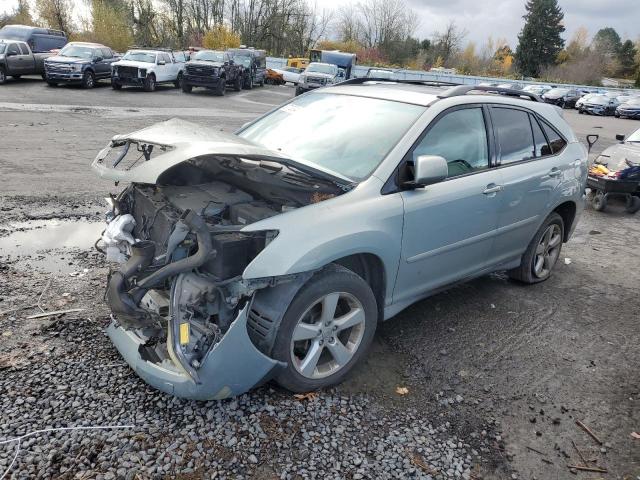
[(496, 374)]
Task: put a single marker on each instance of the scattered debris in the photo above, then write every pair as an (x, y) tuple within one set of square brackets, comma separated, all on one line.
[(305, 396), (587, 469), (402, 390), (55, 312), (17, 309), (588, 430), (567, 261), (584, 462), (537, 451), (635, 435)]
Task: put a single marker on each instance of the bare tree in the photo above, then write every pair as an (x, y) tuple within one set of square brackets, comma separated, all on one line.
[(348, 24), (56, 14), (383, 21), (449, 42)]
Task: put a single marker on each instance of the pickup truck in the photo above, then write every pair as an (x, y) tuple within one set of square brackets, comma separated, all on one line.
[(17, 59), (213, 70)]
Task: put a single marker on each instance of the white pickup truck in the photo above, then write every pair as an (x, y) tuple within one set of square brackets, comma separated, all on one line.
[(148, 68)]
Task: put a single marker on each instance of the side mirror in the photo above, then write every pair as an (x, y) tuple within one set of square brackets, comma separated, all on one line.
[(429, 169), (620, 138), (161, 62), (11, 54)]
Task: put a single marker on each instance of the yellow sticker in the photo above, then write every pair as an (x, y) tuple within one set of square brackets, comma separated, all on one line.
[(184, 333)]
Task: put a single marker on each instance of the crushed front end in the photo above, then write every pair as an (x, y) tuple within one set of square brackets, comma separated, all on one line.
[(180, 305)]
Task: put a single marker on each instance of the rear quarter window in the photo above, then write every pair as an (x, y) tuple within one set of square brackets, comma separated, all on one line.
[(556, 142), (514, 134)]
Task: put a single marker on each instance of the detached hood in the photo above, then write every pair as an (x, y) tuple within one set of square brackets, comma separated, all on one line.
[(616, 155), (176, 141)]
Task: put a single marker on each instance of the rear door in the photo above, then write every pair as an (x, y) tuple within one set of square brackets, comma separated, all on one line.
[(532, 167), (449, 226), (28, 63)]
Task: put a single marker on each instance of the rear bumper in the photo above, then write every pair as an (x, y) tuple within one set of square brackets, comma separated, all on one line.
[(233, 366), (208, 82)]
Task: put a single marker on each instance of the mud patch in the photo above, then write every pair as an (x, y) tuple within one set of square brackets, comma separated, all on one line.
[(47, 245)]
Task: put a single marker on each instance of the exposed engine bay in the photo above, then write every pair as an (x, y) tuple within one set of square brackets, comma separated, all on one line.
[(179, 291)]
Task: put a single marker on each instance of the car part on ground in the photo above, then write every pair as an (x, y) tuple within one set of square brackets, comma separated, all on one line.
[(287, 242)]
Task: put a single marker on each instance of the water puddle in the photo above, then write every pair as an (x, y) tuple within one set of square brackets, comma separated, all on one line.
[(47, 245)]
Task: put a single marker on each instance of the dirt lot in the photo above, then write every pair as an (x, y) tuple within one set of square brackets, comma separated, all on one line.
[(497, 373)]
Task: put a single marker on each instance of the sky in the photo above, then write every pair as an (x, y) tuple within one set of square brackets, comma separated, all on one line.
[(499, 18)]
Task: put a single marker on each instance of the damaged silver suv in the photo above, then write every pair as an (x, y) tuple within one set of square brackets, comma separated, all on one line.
[(273, 253)]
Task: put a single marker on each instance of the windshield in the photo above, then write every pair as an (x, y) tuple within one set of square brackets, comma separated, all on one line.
[(600, 100), (140, 57), (632, 101), (557, 92), (209, 56), (242, 60), (344, 134), (77, 51), (322, 68)]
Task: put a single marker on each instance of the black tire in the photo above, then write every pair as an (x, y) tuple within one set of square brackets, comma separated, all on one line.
[(632, 204), (149, 84), (115, 85), (179, 80), (88, 80), (52, 84), (221, 87), (237, 83), (3, 76), (617, 115), (525, 273), (16, 77), (261, 82), (332, 279), (298, 91), (186, 88), (599, 201), (248, 85)]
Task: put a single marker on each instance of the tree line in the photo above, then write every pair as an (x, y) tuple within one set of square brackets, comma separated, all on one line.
[(380, 32)]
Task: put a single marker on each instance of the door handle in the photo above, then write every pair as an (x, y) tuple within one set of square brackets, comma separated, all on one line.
[(492, 188), (555, 172)]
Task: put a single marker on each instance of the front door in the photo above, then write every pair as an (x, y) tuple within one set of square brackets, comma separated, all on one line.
[(449, 227), (15, 60)]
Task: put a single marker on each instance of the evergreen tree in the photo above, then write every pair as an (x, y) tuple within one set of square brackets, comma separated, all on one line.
[(607, 42), (627, 58), (539, 41)]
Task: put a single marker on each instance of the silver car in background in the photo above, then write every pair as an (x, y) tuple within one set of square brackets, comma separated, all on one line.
[(275, 252)]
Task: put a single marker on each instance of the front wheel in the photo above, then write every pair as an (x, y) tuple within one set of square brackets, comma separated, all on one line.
[(248, 84), (221, 87), (186, 88), (149, 83), (542, 253), (326, 329), (261, 82), (3, 76), (16, 77), (88, 80), (632, 204), (237, 83), (116, 85)]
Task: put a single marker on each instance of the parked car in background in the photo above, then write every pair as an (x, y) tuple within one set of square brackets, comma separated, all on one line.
[(79, 62), (148, 68), (278, 250), (383, 73), (625, 97), (40, 40), (273, 78), (602, 105), (17, 59), (629, 109), (258, 66), (318, 75), (214, 70), (585, 98), (562, 97), (289, 74), (511, 86), (537, 89)]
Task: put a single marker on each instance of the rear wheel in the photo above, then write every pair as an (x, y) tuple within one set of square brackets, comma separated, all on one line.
[(179, 80), (261, 82), (599, 201), (186, 88), (16, 77), (88, 80), (327, 328), (116, 85), (3, 76), (542, 253), (52, 84), (149, 84), (633, 204)]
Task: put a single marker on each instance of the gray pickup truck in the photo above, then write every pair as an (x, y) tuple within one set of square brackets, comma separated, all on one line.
[(17, 59)]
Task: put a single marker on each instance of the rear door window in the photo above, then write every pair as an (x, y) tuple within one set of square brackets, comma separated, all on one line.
[(23, 48), (514, 135), (107, 53), (556, 142)]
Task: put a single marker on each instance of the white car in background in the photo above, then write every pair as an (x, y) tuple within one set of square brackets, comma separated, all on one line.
[(147, 68), (537, 89), (289, 74), (585, 98)]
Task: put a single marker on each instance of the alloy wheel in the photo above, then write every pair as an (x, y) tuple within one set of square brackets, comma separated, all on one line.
[(327, 335), (547, 251)]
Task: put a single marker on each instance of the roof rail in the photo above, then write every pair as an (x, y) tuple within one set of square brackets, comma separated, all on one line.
[(430, 83), (464, 89)]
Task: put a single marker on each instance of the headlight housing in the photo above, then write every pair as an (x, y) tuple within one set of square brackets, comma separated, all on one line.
[(76, 68), (142, 72)]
